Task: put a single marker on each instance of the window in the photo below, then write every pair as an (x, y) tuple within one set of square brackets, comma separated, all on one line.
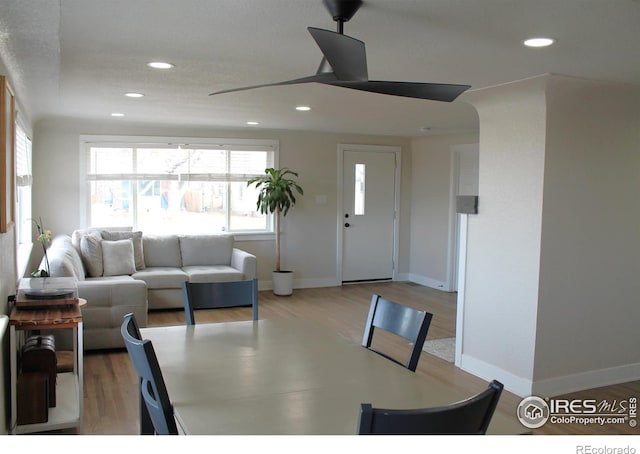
[(24, 180), (359, 190), (191, 188)]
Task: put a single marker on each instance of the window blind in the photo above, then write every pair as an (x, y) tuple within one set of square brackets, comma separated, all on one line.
[(23, 157)]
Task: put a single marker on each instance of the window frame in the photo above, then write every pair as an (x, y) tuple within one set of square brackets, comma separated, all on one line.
[(87, 141), (7, 155)]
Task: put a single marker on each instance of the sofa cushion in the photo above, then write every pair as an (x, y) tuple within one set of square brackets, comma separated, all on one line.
[(162, 250), (91, 252), (161, 277), (206, 249), (212, 273), (136, 238), (117, 257), (64, 260)]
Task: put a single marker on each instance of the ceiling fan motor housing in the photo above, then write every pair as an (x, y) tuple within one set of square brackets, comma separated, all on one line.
[(342, 10)]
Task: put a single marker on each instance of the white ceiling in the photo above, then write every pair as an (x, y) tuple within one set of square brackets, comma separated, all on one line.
[(77, 58)]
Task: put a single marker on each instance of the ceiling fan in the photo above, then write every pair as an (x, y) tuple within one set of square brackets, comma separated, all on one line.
[(344, 63)]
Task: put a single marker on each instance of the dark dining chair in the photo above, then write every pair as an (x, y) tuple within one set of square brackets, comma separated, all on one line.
[(209, 295), (146, 427), (467, 417), (152, 387), (407, 322)]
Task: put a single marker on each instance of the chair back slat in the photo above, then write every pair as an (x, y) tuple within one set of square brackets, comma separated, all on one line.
[(406, 322), (471, 416), (401, 320)]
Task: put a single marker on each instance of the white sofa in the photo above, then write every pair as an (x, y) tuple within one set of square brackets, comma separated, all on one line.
[(173, 259), (123, 271)]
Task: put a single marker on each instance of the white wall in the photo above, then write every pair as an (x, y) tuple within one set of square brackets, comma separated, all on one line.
[(503, 247), (309, 238), (8, 281), (552, 284), (588, 310), (430, 195), (7, 268), (7, 287)]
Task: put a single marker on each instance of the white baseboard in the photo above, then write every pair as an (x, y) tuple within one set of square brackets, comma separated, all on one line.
[(267, 284), (512, 383), (427, 282), (315, 283), (555, 386)]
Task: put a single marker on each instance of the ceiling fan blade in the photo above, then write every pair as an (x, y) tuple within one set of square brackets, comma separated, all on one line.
[(346, 55), (324, 78), (434, 92)]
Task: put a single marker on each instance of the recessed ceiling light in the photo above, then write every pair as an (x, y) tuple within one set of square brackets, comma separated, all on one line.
[(117, 114), (303, 108), (538, 42), (253, 123), (134, 95), (160, 65)]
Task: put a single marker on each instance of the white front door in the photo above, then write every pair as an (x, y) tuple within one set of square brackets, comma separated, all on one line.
[(368, 218)]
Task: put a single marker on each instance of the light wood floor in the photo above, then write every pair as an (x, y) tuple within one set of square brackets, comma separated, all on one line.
[(110, 392)]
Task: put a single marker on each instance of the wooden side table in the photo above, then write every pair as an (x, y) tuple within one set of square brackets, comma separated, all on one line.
[(68, 410)]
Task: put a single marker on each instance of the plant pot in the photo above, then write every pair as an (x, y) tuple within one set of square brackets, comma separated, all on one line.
[(282, 282)]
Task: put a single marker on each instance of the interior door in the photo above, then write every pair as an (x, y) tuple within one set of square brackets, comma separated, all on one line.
[(369, 215)]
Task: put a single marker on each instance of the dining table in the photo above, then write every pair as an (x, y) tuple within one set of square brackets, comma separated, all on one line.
[(286, 377)]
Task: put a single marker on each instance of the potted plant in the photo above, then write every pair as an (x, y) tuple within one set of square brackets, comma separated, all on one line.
[(276, 197)]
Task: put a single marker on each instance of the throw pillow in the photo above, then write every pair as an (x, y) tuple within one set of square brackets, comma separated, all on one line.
[(77, 234), (138, 252), (117, 257), (91, 251)]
